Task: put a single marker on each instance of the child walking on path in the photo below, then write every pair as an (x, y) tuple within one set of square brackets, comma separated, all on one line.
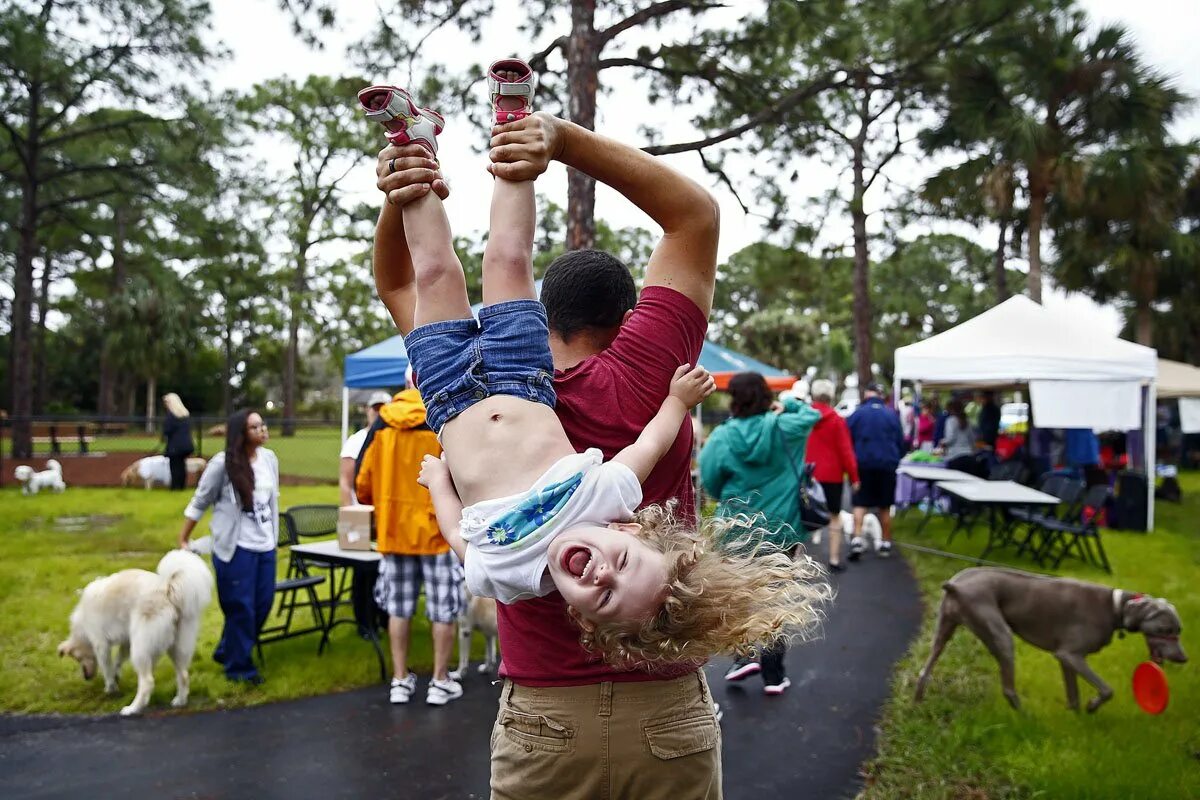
[(526, 512)]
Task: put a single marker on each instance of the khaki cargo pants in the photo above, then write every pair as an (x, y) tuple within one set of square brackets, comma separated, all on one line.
[(643, 740)]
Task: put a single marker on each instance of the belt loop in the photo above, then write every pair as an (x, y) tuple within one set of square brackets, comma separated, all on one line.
[(606, 690), (703, 684), (508, 692)]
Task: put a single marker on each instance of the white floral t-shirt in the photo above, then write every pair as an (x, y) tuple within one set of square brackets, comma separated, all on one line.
[(508, 538), (257, 531)]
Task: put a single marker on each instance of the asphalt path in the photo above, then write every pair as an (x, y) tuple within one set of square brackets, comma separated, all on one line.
[(808, 743)]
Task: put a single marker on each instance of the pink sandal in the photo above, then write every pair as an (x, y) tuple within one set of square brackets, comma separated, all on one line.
[(401, 118), (511, 99)]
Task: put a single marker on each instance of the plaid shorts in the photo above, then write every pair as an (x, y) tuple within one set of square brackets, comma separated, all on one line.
[(400, 580)]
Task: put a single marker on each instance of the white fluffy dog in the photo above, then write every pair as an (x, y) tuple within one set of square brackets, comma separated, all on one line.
[(872, 531), (33, 481), (143, 615)]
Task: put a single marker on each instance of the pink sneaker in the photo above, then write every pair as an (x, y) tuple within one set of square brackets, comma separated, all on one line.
[(512, 94), (403, 121), (777, 688)]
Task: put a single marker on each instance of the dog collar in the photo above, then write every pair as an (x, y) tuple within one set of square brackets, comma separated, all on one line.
[(1120, 599)]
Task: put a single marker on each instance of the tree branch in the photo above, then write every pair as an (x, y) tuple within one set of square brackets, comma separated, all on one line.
[(537, 62), (652, 12), (108, 126), (713, 169), (776, 111)]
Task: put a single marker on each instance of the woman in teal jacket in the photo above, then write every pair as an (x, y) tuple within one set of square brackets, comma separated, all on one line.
[(750, 465)]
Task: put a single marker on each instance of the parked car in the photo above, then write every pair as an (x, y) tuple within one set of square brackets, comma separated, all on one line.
[(1014, 418)]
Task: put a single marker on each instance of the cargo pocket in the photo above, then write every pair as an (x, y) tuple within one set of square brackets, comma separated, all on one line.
[(536, 732), (681, 737)]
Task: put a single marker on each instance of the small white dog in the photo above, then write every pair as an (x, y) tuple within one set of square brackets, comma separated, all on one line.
[(872, 531), (143, 615), (480, 615), (33, 481), (154, 471)]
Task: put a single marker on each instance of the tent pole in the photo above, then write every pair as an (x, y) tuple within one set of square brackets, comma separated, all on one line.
[(345, 413), (1149, 436)]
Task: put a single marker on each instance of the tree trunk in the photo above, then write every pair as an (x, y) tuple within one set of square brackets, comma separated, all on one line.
[(999, 274), (295, 307), (151, 394), (862, 265), (1037, 212), (1145, 289), (40, 389), (20, 366), (583, 79), (106, 402), (227, 371)]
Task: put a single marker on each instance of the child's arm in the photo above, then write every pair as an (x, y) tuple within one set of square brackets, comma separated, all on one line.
[(435, 476), (689, 386)]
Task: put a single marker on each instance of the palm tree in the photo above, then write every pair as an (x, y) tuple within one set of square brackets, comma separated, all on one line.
[(1123, 237), (1041, 95)]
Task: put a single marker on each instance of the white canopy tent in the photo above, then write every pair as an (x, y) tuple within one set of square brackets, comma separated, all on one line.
[(1179, 381), (1077, 377)]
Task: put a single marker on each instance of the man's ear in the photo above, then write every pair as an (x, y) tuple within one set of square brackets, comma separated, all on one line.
[(586, 624), (625, 317)]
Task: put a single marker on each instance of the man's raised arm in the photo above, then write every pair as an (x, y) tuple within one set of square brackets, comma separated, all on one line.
[(685, 259), (403, 174)]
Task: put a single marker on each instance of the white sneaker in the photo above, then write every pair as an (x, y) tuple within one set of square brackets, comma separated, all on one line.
[(777, 688), (401, 691), (858, 546), (442, 692), (883, 549)]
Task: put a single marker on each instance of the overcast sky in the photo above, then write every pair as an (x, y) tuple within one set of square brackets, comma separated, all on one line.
[(263, 47)]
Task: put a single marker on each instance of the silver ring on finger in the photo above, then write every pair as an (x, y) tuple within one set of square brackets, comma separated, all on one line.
[(391, 166)]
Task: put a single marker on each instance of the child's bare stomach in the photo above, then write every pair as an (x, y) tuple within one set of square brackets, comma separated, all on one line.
[(501, 445)]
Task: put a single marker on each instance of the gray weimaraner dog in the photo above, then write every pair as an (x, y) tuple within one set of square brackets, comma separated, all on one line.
[(1068, 618)]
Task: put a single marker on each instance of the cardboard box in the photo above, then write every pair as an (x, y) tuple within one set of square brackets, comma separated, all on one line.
[(354, 527)]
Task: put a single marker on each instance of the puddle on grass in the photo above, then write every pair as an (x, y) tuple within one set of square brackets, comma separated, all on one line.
[(92, 523)]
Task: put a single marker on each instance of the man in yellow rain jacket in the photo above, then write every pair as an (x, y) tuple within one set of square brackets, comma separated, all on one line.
[(413, 550)]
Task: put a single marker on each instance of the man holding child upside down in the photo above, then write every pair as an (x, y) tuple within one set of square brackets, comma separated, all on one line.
[(569, 724)]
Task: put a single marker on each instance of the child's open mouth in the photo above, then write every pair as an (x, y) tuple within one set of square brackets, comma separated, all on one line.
[(577, 560)]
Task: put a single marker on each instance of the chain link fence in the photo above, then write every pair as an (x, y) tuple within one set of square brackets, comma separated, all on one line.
[(97, 451)]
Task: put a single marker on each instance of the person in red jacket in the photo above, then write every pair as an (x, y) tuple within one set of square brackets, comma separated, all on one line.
[(831, 453)]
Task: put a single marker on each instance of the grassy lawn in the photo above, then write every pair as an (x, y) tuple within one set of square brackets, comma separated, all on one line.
[(311, 453), (965, 741), (45, 565)]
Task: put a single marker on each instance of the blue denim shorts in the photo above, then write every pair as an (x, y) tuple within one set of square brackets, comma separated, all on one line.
[(459, 362)]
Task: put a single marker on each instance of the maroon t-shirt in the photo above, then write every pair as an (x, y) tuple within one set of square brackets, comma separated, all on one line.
[(605, 402)]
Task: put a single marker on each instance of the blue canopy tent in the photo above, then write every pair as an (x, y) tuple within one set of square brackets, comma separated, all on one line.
[(383, 365), (380, 365)]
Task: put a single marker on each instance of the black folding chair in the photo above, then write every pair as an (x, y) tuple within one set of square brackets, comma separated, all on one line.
[(1064, 535), (1069, 492), (296, 591), (967, 513)]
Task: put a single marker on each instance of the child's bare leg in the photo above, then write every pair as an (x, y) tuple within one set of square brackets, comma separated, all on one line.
[(441, 285), (508, 255)]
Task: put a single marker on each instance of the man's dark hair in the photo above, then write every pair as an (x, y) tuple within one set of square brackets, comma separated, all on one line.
[(749, 395), (586, 290)]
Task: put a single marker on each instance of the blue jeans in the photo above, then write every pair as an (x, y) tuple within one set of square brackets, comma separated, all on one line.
[(246, 590), (458, 362)]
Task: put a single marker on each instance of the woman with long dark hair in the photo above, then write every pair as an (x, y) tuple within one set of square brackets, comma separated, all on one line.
[(241, 485), (745, 466)]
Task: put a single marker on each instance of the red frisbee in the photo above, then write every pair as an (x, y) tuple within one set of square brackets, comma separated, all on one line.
[(1150, 687)]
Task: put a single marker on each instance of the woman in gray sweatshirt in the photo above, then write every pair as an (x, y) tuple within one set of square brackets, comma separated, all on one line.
[(241, 485)]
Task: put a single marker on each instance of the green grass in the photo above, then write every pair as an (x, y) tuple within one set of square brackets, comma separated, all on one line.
[(312, 453), (44, 567), (965, 741)]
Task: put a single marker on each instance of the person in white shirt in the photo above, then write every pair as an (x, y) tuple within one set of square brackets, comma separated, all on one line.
[(241, 485), (353, 446)]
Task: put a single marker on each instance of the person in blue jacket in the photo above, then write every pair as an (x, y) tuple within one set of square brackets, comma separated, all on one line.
[(745, 467), (878, 447)]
